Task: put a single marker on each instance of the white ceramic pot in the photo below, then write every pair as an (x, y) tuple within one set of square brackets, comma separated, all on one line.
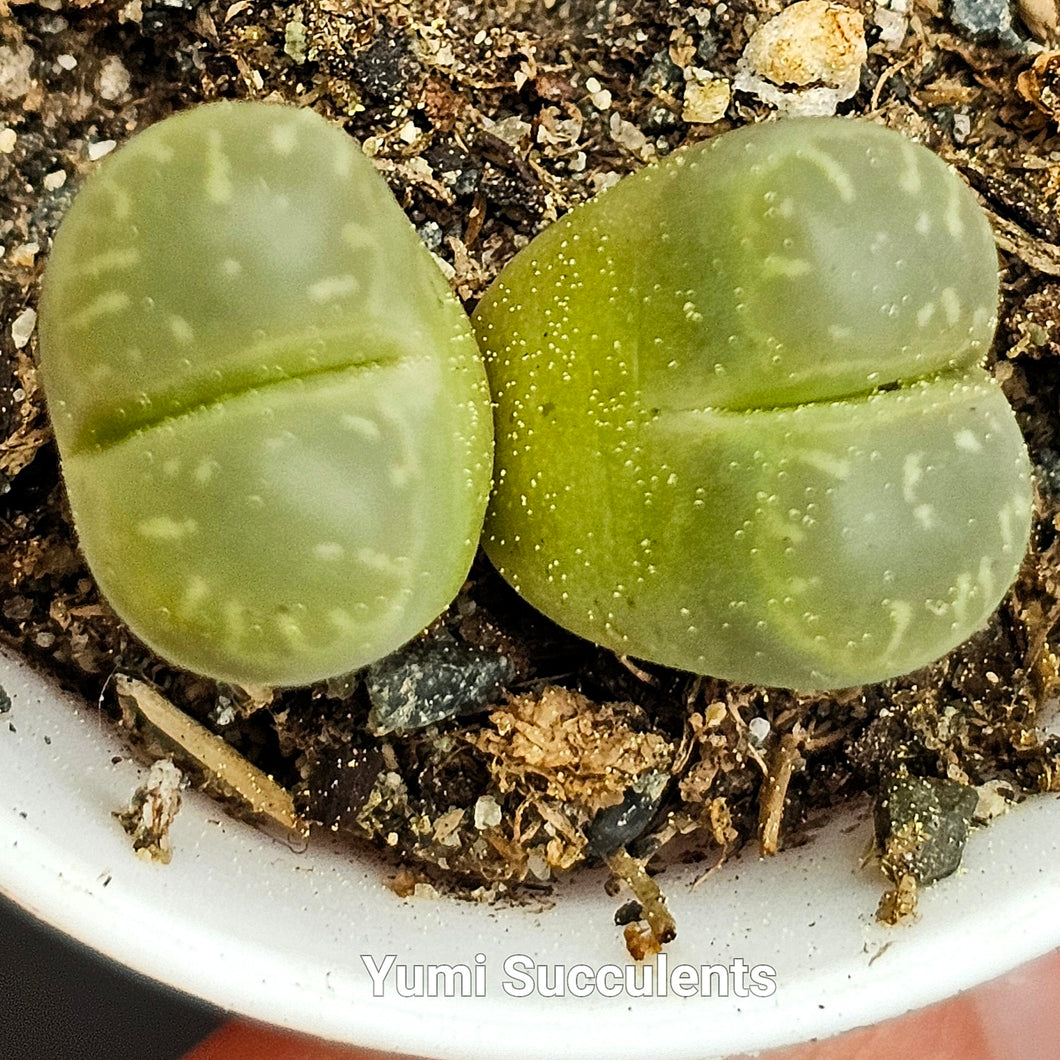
[(243, 921)]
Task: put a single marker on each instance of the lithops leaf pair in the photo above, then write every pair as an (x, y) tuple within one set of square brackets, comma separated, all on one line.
[(743, 426), (273, 420)]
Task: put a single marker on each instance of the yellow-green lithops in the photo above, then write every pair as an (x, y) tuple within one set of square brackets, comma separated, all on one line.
[(743, 426), (272, 416)]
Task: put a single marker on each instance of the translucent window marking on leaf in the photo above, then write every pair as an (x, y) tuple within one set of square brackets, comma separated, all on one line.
[(105, 304), (837, 176), (116, 260), (218, 182), (273, 419), (832, 488), (284, 138)]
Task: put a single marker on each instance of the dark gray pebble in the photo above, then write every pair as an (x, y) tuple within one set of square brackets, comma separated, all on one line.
[(985, 20), (922, 824), (615, 826), (432, 680)]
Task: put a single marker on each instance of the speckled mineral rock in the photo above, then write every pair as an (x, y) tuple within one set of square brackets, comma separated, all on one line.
[(921, 826), (806, 60), (615, 826), (892, 21), (985, 20), (15, 71), (429, 681), (152, 810), (706, 100)]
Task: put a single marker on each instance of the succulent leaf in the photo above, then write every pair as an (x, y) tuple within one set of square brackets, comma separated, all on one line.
[(743, 426), (273, 419)]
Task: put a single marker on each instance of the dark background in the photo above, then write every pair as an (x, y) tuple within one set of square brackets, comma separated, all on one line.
[(61, 1001)]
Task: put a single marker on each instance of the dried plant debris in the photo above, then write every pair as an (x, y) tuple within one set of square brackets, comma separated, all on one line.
[(157, 720), (153, 807), (570, 749), (654, 925), (899, 903), (498, 751)]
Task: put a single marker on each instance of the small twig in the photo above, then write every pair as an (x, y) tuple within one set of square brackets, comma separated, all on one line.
[(752, 751), (688, 739), (722, 858), (885, 77), (221, 761), (646, 891), (775, 792), (813, 743), (636, 671), (1010, 237)]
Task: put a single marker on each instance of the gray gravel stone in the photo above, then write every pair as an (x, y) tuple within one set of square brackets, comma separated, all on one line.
[(985, 20), (922, 824), (431, 680), (612, 828)]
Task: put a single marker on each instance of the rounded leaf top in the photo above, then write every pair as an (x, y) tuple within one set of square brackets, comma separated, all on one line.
[(742, 423), (272, 415)]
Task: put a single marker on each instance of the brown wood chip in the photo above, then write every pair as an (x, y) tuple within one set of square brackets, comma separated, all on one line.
[(258, 790)]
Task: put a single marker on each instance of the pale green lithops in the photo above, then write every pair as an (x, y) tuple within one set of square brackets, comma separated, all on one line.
[(743, 423), (273, 420)]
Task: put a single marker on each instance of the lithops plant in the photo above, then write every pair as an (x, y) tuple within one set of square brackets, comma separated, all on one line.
[(743, 424), (273, 420)]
